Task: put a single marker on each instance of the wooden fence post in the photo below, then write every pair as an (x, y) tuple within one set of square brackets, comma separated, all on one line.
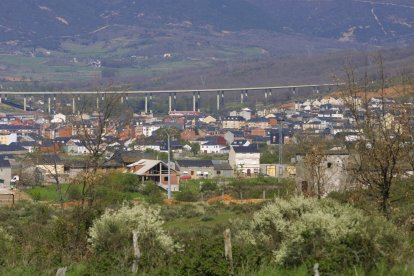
[(137, 252), (61, 271), (228, 251)]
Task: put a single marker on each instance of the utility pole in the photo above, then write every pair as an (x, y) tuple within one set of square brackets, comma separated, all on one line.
[(280, 148), (169, 167)]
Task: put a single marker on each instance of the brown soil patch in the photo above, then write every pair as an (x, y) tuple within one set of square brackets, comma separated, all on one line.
[(391, 92), (228, 199)]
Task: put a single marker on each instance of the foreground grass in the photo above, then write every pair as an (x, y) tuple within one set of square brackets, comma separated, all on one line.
[(50, 193), (74, 192), (205, 220)]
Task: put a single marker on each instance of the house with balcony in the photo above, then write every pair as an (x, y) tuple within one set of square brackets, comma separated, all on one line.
[(155, 171)]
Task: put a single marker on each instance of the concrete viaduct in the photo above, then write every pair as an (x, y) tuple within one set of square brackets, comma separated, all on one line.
[(172, 94)]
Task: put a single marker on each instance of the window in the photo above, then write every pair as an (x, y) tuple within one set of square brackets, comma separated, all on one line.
[(304, 187), (165, 178), (329, 165), (218, 172), (192, 172)]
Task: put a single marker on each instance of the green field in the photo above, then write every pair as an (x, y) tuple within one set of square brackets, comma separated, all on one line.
[(72, 192), (50, 193), (71, 62)]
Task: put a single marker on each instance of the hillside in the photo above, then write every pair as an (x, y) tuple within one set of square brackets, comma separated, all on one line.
[(78, 43), (46, 22)]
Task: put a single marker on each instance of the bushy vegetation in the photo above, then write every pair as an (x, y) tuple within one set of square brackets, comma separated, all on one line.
[(308, 231), (284, 236), (112, 232), (242, 188)]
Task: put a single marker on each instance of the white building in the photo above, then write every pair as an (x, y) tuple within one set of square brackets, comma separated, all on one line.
[(211, 147), (59, 118), (246, 113), (148, 130), (147, 147), (332, 101), (245, 160), (8, 139)]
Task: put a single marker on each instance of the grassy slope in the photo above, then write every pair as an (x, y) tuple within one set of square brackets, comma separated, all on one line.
[(70, 192), (8, 109)]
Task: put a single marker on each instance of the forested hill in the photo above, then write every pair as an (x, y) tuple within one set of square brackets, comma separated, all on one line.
[(46, 22)]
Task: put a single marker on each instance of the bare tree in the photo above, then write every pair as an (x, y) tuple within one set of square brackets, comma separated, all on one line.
[(378, 155), (315, 169), (93, 135), (49, 163)]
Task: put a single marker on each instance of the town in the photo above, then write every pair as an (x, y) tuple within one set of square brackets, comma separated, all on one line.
[(243, 143)]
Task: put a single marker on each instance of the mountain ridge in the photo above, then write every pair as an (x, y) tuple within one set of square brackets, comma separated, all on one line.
[(49, 21)]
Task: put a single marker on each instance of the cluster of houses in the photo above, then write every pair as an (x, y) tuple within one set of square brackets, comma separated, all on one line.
[(233, 142), (32, 143)]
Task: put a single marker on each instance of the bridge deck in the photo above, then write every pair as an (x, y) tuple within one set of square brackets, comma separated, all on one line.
[(169, 91)]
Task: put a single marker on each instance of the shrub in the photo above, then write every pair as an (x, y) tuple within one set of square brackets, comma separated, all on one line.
[(203, 254), (36, 196), (111, 239), (187, 196), (207, 218), (116, 225), (336, 236), (209, 185), (74, 193), (124, 182), (192, 210), (6, 245), (153, 193)]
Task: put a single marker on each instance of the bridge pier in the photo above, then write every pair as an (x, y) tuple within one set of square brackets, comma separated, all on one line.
[(150, 103), (218, 101), (175, 101), (194, 101), (49, 106), (246, 94), (146, 103), (73, 105), (25, 103), (169, 102), (241, 97), (199, 102), (97, 104)]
